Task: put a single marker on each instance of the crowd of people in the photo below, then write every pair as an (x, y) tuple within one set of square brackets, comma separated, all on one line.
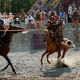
[(6, 19), (10, 18), (74, 15), (38, 21)]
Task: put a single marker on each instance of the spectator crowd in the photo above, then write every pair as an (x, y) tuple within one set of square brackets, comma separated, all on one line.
[(38, 21)]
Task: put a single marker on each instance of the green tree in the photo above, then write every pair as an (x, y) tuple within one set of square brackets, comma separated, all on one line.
[(5, 5), (15, 6), (19, 5)]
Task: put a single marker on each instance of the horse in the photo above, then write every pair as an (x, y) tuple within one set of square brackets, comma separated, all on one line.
[(52, 46), (5, 39)]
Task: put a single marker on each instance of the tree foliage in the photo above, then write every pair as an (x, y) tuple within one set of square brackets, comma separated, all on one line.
[(15, 6)]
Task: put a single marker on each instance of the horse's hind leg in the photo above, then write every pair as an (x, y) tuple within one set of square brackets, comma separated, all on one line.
[(64, 51), (59, 54), (42, 57), (9, 62)]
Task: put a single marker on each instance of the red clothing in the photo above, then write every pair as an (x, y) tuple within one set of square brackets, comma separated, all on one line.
[(54, 19), (43, 16)]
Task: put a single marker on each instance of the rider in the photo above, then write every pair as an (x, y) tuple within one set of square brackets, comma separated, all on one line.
[(53, 16), (38, 19), (53, 28)]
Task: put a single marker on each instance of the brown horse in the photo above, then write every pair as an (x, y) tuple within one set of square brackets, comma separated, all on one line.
[(5, 44), (52, 46)]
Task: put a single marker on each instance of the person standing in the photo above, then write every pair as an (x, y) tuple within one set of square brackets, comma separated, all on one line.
[(22, 16), (5, 15), (70, 13), (43, 17), (79, 14), (1, 15), (11, 18), (73, 5), (60, 15), (75, 15), (16, 19), (29, 20), (38, 19), (65, 17)]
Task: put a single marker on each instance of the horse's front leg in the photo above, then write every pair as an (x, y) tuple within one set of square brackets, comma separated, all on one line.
[(48, 57), (42, 57), (64, 51), (5, 67), (9, 63)]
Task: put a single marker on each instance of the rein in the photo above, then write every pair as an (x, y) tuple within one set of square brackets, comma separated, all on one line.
[(4, 33)]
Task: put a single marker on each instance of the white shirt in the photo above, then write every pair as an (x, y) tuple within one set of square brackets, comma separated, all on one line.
[(6, 21), (29, 18), (70, 9)]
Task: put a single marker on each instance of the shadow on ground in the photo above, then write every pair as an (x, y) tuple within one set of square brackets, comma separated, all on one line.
[(56, 72)]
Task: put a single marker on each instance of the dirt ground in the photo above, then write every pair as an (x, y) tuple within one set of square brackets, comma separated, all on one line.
[(28, 67)]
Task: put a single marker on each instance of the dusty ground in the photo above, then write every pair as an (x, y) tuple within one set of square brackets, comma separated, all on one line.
[(28, 67)]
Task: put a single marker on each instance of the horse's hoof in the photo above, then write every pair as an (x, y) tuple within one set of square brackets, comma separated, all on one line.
[(62, 57), (14, 72), (41, 63), (49, 62)]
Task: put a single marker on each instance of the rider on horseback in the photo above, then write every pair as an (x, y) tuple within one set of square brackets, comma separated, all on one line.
[(55, 28), (55, 31)]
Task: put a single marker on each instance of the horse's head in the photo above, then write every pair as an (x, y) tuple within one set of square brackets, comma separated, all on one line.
[(68, 43), (15, 29), (4, 29)]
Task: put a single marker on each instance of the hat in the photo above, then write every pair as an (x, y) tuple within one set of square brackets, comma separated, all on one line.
[(10, 13), (27, 13), (75, 8), (37, 10)]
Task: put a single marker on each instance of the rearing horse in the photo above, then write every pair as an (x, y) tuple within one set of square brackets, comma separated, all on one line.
[(5, 46), (52, 46)]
